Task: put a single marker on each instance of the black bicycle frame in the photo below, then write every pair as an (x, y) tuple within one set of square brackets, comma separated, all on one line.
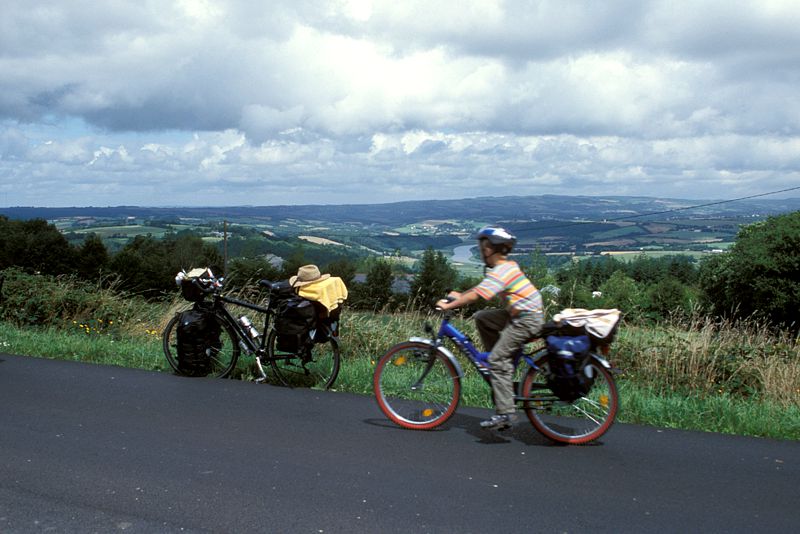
[(244, 337)]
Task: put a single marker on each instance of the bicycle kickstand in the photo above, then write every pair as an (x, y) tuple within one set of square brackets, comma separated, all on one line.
[(263, 377)]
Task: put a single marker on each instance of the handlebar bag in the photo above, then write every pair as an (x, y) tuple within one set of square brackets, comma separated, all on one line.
[(195, 283)]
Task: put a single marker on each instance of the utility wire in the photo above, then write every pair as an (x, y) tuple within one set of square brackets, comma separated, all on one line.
[(626, 217)]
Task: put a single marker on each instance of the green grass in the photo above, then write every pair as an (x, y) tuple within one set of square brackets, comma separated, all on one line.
[(695, 376), (722, 413), (140, 352)]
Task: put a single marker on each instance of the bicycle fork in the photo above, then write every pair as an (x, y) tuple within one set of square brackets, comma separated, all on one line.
[(431, 360)]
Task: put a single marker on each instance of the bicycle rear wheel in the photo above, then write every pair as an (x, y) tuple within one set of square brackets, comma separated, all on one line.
[(580, 421), (222, 354), (416, 386), (315, 366)]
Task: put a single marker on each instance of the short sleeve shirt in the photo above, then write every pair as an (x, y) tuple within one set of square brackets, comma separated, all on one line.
[(508, 280)]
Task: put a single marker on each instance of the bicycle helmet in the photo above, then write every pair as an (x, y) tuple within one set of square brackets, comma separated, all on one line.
[(497, 236)]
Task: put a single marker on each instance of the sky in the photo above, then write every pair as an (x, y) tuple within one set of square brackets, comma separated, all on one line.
[(235, 102)]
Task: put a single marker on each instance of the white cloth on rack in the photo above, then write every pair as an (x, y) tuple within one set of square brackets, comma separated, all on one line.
[(598, 323)]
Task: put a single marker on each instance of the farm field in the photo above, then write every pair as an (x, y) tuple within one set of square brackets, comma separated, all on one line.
[(550, 225)]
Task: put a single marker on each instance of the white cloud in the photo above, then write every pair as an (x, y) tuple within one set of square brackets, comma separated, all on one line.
[(368, 101)]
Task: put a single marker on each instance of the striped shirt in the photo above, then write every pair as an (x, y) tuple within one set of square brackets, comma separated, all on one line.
[(507, 279)]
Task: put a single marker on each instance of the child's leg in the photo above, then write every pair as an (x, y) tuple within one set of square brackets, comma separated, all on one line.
[(489, 324), (512, 338)]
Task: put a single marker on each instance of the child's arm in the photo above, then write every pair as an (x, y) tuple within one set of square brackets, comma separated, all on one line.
[(458, 299)]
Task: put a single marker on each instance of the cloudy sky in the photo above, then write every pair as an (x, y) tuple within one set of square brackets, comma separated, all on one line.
[(213, 102)]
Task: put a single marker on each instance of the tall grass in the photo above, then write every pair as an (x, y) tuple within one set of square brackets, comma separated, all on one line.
[(695, 374), (704, 357)]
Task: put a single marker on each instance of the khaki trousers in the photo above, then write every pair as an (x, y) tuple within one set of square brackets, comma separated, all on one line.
[(504, 337)]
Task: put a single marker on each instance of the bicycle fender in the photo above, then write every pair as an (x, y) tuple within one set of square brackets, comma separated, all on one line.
[(443, 350), (602, 361)]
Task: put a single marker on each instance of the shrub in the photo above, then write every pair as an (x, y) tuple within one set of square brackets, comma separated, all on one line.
[(56, 301)]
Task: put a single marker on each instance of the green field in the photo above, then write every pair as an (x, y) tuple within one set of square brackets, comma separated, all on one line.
[(126, 231)]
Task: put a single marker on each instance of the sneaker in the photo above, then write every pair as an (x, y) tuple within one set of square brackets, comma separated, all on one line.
[(498, 422)]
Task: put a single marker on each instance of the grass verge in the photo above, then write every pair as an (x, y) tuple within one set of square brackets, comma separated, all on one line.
[(673, 403)]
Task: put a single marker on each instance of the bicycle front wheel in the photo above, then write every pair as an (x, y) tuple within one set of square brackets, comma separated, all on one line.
[(315, 366), (222, 354), (583, 420), (416, 386)]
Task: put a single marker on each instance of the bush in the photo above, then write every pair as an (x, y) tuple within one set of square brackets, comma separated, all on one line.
[(58, 301), (760, 276)]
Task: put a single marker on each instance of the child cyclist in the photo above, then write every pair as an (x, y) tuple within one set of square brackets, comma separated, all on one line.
[(503, 331)]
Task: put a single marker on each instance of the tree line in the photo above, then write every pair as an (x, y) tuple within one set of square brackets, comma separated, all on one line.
[(758, 277)]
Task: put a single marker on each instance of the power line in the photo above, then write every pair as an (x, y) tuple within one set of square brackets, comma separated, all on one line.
[(626, 217)]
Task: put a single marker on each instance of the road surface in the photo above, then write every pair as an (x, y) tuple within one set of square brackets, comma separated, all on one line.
[(91, 448)]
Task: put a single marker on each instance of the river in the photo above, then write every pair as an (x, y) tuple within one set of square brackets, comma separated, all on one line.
[(463, 254)]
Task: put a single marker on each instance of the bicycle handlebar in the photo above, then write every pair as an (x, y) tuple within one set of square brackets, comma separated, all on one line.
[(211, 286), (447, 313)]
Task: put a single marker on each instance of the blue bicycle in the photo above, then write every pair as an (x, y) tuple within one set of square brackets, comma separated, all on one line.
[(417, 384)]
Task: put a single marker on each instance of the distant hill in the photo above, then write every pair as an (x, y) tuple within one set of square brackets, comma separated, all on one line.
[(485, 209)]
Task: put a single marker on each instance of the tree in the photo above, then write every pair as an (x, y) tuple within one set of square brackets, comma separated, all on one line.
[(148, 266), (141, 267), (433, 280), (536, 269), (242, 271), (344, 269), (760, 275), (621, 292), (35, 246), (293, 262), (376, 292), (666, 297), (92, 257)]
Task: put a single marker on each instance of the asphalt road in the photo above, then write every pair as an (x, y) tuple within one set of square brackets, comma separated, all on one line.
[(89, 448)]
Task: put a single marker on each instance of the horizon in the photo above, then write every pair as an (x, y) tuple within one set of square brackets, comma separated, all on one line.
[(691, 201)]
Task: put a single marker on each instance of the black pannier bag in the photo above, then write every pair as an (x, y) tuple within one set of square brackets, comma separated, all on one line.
[(198, 337), (295, 319), (567, 356), (327, 323)]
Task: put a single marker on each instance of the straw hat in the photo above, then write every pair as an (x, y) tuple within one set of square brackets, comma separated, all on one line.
[(307, 274)]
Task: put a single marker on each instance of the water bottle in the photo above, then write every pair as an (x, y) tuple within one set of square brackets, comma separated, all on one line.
[(248, 327)]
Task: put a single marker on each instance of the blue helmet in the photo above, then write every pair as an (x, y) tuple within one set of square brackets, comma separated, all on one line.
[(497, 236)]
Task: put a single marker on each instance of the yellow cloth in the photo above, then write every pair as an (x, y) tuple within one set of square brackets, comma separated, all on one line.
[(329, 292)]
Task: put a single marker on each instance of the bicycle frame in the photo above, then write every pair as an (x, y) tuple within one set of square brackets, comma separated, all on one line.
[(244, 337), (479, 360), (250, 346)]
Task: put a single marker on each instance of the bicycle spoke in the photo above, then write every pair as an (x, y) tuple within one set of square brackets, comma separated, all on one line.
[(580, 421), (416, 386)]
